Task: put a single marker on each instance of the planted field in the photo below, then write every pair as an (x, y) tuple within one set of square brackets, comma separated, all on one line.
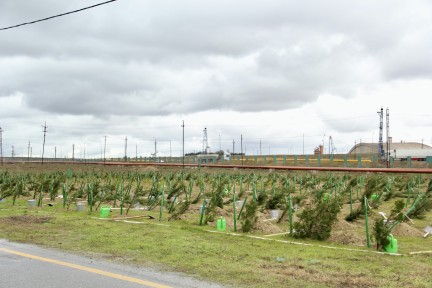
[(299, 228)]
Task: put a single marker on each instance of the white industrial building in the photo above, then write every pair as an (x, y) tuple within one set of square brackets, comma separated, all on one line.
[(399, 151)]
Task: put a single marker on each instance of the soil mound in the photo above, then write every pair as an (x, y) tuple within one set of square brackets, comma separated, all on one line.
[(265, 225), (347, 238), (405, 229), (344, 232)]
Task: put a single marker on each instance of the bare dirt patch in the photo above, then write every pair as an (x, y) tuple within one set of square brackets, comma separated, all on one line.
[(149, 169), (25, 219)]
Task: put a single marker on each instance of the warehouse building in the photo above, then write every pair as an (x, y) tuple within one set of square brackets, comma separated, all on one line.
[(399, 151)]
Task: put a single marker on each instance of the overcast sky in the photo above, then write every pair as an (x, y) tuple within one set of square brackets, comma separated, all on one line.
[(270, 70)]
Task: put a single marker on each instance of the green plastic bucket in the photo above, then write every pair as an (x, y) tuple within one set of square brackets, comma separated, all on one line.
[(104, 211), (392, 247), (326, 197), (221, 224)]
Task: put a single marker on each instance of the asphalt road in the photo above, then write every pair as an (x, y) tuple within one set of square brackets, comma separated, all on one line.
[(23, 265)]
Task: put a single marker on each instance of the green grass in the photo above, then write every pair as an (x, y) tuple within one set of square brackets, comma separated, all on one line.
[(234, 260)]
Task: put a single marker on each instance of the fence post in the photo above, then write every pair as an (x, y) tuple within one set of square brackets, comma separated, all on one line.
[(367, 222)]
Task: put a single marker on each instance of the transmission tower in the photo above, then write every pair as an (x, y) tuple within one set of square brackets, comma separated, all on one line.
[(380, 142), (13, 151)]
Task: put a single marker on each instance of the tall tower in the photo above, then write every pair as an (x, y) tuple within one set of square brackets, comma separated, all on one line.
[(388, 137), (206, 148), (380, 142)]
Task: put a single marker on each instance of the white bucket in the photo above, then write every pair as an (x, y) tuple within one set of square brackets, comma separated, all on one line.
[(31, 202), (274, 214), (80, 206), (239, 204)]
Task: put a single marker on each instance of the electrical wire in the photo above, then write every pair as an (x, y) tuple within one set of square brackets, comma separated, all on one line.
[(55, 16)]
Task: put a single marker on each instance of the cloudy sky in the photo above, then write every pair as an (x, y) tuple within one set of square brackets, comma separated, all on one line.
[(271, 71)]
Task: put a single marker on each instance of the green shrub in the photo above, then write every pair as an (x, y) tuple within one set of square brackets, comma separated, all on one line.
[(380, 233), (248, 217), (316, 222)]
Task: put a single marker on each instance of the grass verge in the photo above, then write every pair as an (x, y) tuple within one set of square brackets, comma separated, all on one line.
[(233, 260)]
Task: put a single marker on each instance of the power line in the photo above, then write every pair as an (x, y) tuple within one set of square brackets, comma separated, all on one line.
[(59, 15)]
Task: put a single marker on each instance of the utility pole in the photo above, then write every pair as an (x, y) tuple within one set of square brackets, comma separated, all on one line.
[(1, 146), (136, 152), (73, 151), (125, 157), (183, 156), (233, 147), (155, 153), (28, 152), (43, 146), (104, 150), (170, 151), (323, 141), (241, 147), (303, 143), (260, 148), (55, 152)]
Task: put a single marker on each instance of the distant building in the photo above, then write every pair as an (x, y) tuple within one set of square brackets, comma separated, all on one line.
[(399, 151), (319, 150)]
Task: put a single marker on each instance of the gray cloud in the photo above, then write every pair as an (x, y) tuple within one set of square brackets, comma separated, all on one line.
[(159, 58)]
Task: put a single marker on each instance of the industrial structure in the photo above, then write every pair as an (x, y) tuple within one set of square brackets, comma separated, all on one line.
[(398, 151)]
